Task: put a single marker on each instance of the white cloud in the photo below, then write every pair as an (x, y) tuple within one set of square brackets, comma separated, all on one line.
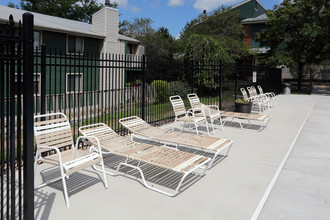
[(135, 9), (122, 3), (174, 3), (210, 5)]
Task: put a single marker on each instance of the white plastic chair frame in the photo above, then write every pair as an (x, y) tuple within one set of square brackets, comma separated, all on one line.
[(270, 95), (194, 116), (211, 111), (55, 133), (255, 100), (101, 130), (133, 122), (265, 99)]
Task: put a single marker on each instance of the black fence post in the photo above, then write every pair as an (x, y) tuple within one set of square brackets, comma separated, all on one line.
[(220, 86), (43, 80), (192, 72), (143, 86), (236, 78), (28, 147)]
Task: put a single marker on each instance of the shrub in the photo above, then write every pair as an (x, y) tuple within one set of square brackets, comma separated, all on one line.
[(180, 88), (162, 92), (242, 101)]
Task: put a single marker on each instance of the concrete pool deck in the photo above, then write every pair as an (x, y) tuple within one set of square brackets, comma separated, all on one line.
[(232, 189)]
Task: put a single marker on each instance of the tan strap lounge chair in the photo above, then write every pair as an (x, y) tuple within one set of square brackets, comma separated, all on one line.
[(164, 157), (53, 131), (194, 116), (140, 128), (259, 121), (245, 120)]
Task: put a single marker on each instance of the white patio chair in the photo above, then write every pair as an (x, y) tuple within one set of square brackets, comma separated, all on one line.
[(270, 95), (195, 116), (265, 99), (211, 111), (256, 101), (52, 132)]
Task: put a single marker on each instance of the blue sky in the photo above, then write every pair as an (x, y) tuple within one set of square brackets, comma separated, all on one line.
[(172, 14)]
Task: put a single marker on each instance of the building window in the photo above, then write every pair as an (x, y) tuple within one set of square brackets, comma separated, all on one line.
[(36, 83), (74, 82), (130, 49), (75, 45), (37, 40)]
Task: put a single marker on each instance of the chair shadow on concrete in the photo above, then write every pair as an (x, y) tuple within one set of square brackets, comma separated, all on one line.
[(165, 179), (77, 182), (43, 203)]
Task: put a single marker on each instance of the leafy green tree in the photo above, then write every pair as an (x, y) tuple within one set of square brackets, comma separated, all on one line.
[(210, 38), (81, 10), (159, 44), (223, 27), (298, 34), (203, 50), (138, 28)]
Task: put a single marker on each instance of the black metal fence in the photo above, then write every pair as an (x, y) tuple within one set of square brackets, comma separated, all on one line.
[(93, 88), (16, 116)]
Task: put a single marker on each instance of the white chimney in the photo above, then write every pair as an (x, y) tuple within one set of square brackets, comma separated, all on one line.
[(105, 22)]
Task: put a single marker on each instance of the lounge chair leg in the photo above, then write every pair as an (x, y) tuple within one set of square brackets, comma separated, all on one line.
[(197, 128), (36, 162), (212, 123), (104, 177), (65, 188), (207, 128)]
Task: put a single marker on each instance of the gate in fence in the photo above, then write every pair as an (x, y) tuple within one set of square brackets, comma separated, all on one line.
[(16, 117)]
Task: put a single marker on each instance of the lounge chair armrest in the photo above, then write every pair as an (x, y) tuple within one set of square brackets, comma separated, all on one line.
[(213, 106), (193, 110), (50, 148), (58, 152), (89, 137)]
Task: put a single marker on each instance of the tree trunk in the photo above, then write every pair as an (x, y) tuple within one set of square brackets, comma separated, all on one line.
[(300, 75)]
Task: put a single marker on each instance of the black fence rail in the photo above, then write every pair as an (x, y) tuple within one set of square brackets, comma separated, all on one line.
[(16, 117), (92, 88)]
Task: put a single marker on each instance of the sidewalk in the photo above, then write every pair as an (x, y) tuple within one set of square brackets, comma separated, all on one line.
[(302, 190), (230, 190)]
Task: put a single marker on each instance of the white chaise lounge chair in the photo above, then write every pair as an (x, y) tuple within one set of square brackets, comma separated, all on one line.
[(213, 145), (136, 154), (53, 131), (243, 119)]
